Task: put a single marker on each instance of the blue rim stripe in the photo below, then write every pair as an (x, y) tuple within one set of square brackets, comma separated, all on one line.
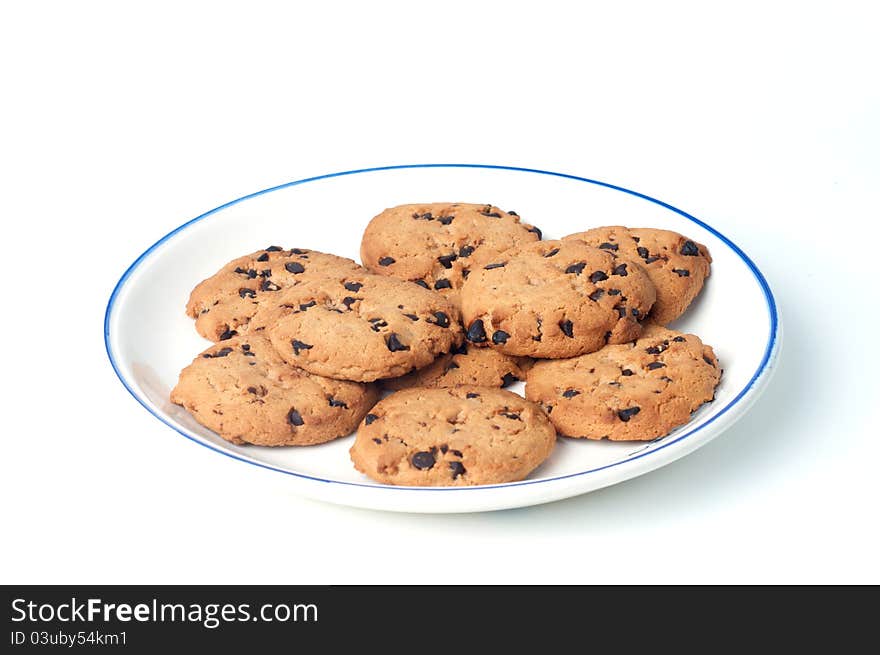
[(762, 367)]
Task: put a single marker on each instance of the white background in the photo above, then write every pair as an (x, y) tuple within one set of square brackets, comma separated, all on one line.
[(121, 121)]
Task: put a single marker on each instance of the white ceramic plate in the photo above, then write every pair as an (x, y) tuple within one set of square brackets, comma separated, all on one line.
[(149, 339)]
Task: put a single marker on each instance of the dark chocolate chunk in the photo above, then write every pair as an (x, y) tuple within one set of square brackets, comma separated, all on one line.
[(512, 213), (689, 248), (251, 273), (655, 365), (369, 418), (682, 272), (570, 393), (598, 293), (423, 460), (273, 249), (337, 403), (304, 306), (708, 361), (620, 269), (508, 379), (597, 276), (298, 251), (643, 252), (377, 323), (266, 272), (500, 336), (250, 293), (353, 286), (348, 301), (465, 251), (442, 284), (394, 344), (445, 220), (446, 260), (263, 258), (294, 267), (511, 415), (489, 267), (386, 261), (471, 394), (442, 319), (577, 269), (626, 372), (567, 328), (269, 285), (378, 441), (679, 339), (461, 349), (613, 292), (635, 312), (227, 334), (220, 353), (299, 345), (487, 211), (294, 417), (457, 469), (422, 283), (626, 414), (535, 230), (476, 333), (551, 253), (608, 246), (412, 317)]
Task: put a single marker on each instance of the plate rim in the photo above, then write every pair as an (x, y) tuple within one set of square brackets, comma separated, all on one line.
[(764, 367)]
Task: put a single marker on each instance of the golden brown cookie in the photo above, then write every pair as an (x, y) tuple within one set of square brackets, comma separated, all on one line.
[(633, 391), (242, 390), (482, 367), (452, 437), (359, 327), (436, 245), (555, 299), (675, 264), (224, 303)]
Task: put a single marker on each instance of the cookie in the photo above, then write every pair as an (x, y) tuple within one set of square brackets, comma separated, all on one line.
[(242, 390), (676, 265), (452, 437), (436, 245), (636, 391), (224, 303), (482, 367), (359, 327), (555, 299)]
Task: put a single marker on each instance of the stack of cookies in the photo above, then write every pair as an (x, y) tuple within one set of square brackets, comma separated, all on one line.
[(453, 302)]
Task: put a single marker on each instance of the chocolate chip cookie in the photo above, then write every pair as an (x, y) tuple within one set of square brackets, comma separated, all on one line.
[(634, 391), (675, 264), (484, 367), (242, 390), (359, 327), (224, 303), (452, 437), (555, 299), (437, 245)]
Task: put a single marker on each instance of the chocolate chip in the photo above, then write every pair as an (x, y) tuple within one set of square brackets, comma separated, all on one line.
[(227, 334), (567, 328), (457, 469), (621, 311), (508, 379), (269, 285), (386, 261), (608, 246), (294, 417), (273, 249), (457, 453), (442, 319), (607, 336), (377, 324), (512, 213), (465, 251), (487, 211), (679, 339), (577, 269), (266, 272), (353, 286), (570, 393), (626, 414), (689, 248), (597, 276), (250, 354), (422, 283), (299, 345), (652, 259), (500, 336), (446, 260), (250, 293), (708, 361), (464, 273), (245, 346), (348, 301), (263, 258), (470, 394), (613, 292), (378, 441), (304, 306), (412, 317), (445, 220), (476, 333), (598, 293), (655, 350), (369, 418), (620, 269), (294, 267), (626, 372), (682, 272), (643, 252), (635, 312), (423, 460), (220, 353), (551, 253), (489, 267), (337, 403), (535, 230), (251, 273), (511, 415), (460, 349), (394, 344), (442, 284), (297, 251), (252, 390), (655, 365)]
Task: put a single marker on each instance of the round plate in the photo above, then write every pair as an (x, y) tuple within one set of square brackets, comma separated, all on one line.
[(149, 339)]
